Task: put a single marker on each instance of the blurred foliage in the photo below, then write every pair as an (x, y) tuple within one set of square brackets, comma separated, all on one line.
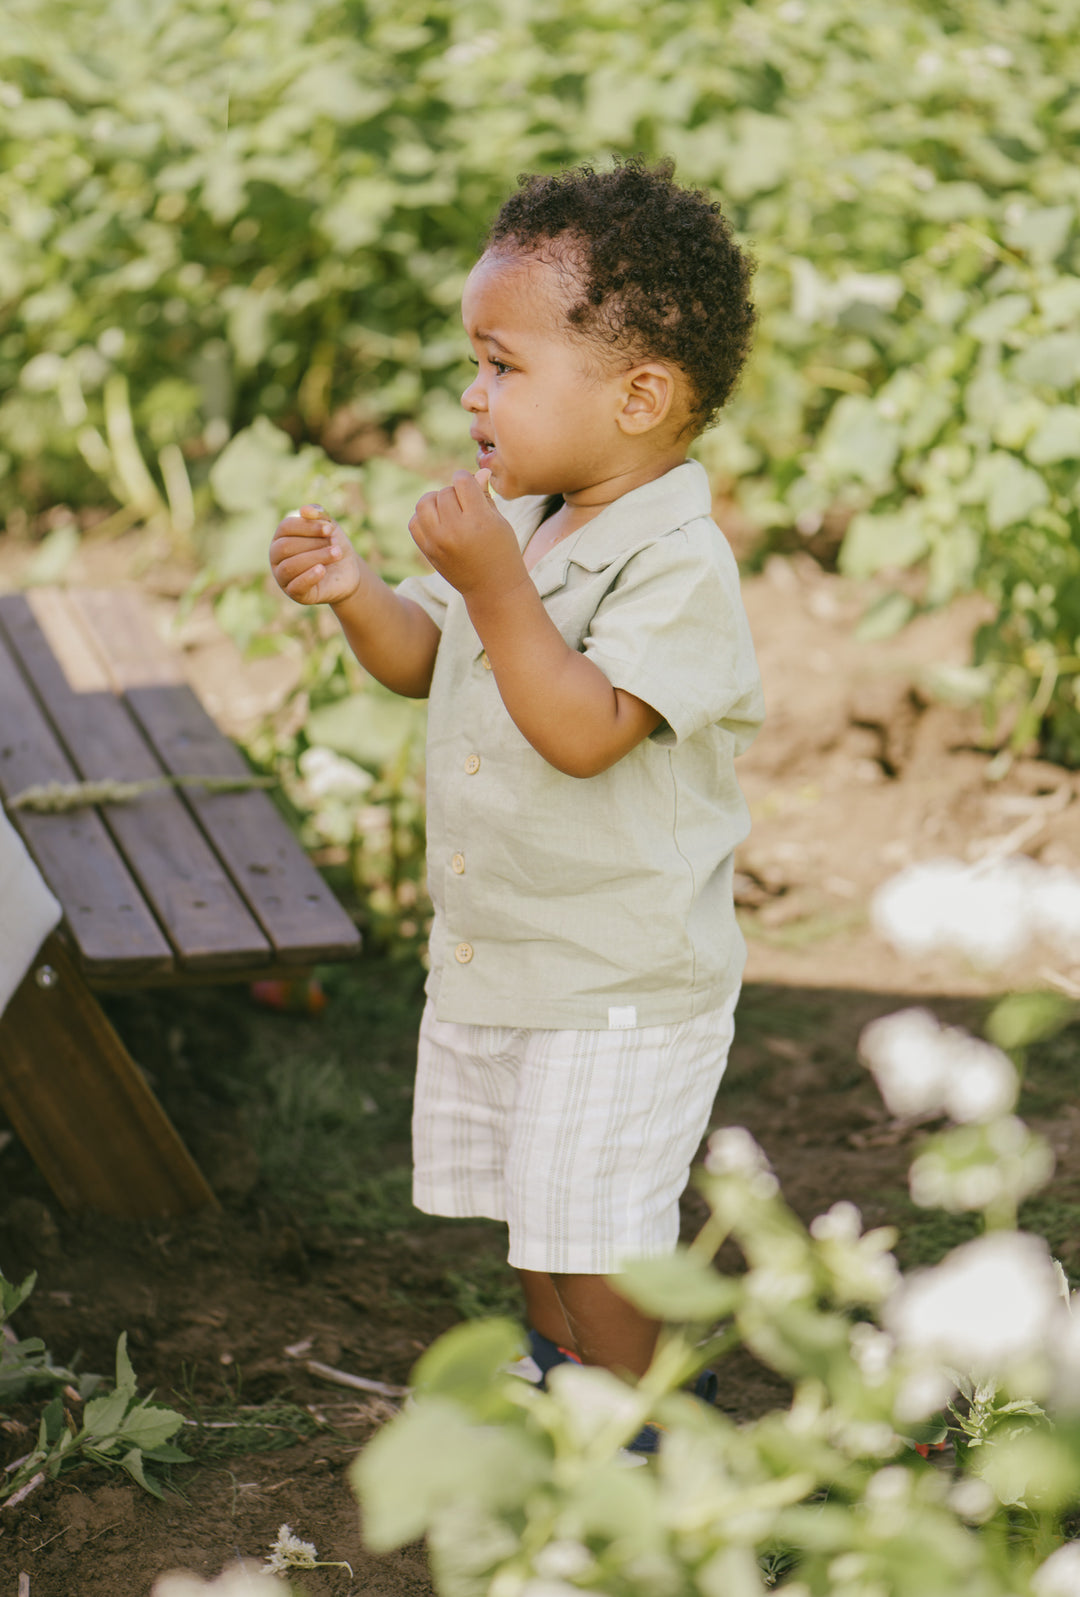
[(233, 227)]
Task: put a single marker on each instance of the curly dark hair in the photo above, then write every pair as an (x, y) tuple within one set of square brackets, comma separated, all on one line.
[(656, 266)]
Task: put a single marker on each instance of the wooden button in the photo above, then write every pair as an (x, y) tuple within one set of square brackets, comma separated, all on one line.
[(458, 864), (472, 764), (463, 953)]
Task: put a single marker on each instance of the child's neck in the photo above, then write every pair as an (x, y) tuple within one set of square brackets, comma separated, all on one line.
[(581, 506)]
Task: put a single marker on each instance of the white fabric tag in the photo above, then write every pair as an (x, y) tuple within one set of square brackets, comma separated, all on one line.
[(622, 1017)]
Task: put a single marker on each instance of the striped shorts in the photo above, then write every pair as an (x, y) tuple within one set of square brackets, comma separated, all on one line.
[(580, 1140)]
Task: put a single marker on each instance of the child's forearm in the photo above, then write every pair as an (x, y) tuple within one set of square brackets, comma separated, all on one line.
[(558, 699), (393, 638)]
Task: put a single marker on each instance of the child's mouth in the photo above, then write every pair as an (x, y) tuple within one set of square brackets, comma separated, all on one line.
[(485, 449)]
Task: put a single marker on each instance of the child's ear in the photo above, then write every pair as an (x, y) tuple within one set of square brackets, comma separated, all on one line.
[(648, 397)]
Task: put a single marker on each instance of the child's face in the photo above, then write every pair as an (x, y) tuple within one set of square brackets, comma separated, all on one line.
[(544, 410)]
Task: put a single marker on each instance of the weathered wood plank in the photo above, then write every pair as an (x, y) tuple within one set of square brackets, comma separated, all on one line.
[(112, 928), (81, 1106), (194, 899), (289, 899)]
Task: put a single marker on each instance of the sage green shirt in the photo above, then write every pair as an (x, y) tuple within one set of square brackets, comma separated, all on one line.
[(604, 901)]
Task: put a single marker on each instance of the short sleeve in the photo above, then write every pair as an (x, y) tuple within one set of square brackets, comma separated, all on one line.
[(673, 631), (431, 592)]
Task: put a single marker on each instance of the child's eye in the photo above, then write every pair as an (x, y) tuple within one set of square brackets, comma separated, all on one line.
[(501, 366)]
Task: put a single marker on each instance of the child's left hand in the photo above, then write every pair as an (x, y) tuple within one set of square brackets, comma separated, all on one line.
[(460, 532)]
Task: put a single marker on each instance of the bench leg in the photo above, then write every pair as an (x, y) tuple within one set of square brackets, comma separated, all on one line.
[(81, 1106)]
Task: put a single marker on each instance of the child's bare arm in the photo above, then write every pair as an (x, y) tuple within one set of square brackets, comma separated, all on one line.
[(314, 563), (558, 699)]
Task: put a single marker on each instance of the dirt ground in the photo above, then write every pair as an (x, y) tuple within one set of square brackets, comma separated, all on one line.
[(858, 772)]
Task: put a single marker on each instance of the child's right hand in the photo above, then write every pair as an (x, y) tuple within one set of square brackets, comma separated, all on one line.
[(312, 560)]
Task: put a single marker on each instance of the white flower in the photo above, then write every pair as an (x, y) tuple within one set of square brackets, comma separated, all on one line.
[(842, 1223), (988, 1305), (326, 772), (922, 1067), (990, 911), (902, 1052), (239, 1580), (563, 1560), (287, 1551), (1060, 1575), (981, 910), (733, 1152), (980, 1081)]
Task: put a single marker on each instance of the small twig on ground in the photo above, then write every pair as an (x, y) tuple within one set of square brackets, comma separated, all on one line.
[(24, 1491), (24, 1584), (358, 1383)]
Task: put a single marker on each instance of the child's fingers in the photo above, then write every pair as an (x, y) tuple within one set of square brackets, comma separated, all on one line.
[(302, 562), (291, 548)]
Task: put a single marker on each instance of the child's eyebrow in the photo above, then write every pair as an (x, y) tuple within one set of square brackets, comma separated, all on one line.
[(492, 338)]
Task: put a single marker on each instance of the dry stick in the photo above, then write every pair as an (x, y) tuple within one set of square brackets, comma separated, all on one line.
[(24, 1491), (358, 1383), (24, 1584)]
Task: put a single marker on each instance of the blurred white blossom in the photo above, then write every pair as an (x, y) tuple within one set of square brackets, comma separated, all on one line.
[(990, 911), (1059, 1576), (922, 1067), (239, 1580), (988, 1306), (326, 772), (732, 1151)]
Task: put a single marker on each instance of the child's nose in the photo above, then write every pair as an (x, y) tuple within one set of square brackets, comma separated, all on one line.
[(473, 397)]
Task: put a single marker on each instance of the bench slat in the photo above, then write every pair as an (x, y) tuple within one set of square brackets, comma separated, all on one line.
[(194, 899), (299, 914), (113, 930)]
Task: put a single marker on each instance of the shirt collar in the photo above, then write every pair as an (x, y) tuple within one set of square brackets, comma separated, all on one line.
[(645, 513)]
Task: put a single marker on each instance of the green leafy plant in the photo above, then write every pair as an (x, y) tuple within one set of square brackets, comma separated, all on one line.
[(118, 1430), (521, 1491)]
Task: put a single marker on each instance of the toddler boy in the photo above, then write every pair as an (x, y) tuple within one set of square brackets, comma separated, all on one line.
[(591, 679)]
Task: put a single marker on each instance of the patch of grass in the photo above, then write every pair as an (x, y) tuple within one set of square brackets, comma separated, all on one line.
[(325, 1100), (485, 1287), (1050, 1072), (926, 1235), (229, 1430)]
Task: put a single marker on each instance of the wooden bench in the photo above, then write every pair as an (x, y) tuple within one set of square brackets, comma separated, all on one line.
[(181, 885)]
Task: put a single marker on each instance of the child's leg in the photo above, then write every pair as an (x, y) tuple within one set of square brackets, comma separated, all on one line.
[(585, 1313)]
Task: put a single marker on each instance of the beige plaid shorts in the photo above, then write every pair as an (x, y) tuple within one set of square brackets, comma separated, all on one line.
[(580, 1140)]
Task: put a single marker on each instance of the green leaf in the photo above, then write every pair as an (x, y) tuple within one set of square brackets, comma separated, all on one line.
[(125, 1375), (885, 617), (465, 1361), (132, 1462), (1058, 438), (11, 1296), (884, 542), (432, 1458), (104, 1416), (995, 319), (1041, 233), (859, 443), (1020, 1019), (53, 556), (678, 1286), (248, 469), (1013, 491), (149, 1427), (369, 728), (1050, 362)]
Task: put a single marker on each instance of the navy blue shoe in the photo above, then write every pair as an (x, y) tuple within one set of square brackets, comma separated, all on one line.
[(546, 1354), (647, 1441)]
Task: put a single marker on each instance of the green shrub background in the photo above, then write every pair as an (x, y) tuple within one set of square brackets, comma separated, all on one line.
[(221, 214)]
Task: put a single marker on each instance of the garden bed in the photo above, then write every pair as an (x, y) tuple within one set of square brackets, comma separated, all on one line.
[(301, 1124)]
